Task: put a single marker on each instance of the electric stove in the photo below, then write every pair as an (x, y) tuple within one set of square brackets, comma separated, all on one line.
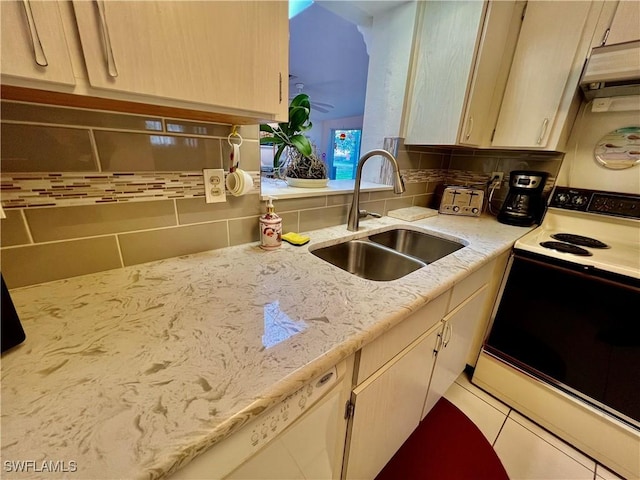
[(594, 230)]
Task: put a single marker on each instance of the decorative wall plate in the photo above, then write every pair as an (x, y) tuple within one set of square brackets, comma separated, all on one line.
[(619, 149)]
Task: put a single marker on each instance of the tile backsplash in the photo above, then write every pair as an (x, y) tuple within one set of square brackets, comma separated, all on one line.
[(86, 191)]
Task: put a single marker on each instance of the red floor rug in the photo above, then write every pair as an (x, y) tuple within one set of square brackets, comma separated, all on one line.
[(445, 446)]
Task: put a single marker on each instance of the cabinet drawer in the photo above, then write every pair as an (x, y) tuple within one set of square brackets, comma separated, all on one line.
[(387, 346), (473, 282)]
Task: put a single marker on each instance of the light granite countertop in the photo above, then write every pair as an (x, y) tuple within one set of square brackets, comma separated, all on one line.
[(130, 373)]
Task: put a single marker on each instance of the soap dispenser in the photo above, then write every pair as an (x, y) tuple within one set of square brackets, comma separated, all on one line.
[(270, 228)]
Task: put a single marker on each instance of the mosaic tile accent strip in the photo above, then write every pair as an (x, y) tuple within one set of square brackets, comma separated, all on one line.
[(23, 190), (423, 175), (480, 179), (467, 178)]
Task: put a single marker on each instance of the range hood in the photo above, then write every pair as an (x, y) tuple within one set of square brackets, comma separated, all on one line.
[(612, 70)]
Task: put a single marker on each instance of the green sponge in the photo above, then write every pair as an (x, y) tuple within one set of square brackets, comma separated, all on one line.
[(295, 239)]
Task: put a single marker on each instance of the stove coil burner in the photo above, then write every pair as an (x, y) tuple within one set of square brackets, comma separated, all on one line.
[(579, 240), (567, 248)]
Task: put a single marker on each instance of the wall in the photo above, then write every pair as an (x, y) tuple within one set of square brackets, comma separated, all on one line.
[(389, 42), (87, 191), (473, 167), (580, 170)]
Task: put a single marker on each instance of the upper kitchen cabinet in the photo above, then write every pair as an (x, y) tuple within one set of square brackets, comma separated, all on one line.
[(224, 61), (540, 99), (625, 26), (34, 44), (455, 86)]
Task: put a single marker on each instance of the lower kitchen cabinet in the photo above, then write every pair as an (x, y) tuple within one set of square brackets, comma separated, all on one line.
[(387, 408), (403, 373), (453, 343)]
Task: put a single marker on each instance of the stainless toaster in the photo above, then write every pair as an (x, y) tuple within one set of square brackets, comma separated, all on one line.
[(462, 201)]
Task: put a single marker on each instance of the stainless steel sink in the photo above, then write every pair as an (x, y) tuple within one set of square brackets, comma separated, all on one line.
[(423, 246), (388, 255), (368, 260)]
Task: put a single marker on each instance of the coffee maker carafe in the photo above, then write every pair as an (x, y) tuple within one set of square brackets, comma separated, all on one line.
[(524, 204)]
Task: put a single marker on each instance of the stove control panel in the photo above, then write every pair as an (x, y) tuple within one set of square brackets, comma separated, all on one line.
[(593, 201)]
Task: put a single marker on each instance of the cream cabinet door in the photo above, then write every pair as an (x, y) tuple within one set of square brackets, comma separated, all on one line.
[(542, 64), (226, 54), (625, 26), (34, 45), (387, 408), (453, 343), (447, 38), (497, 45)]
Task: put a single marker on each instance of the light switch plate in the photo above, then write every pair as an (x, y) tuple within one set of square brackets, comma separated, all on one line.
[(214, 188)]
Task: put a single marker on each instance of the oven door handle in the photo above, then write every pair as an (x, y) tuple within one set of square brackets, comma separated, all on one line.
[(586, 272)]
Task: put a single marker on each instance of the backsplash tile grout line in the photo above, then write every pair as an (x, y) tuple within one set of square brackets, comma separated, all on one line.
[(123, 130), (94, 149), (63, 240), (175, 211), (119, 248), (26, 226)]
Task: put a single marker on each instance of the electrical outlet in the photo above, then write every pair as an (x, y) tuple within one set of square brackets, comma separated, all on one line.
[(498, 182), (214, 188)]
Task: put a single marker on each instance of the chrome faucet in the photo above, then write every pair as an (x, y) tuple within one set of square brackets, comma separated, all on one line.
[(355, 214)]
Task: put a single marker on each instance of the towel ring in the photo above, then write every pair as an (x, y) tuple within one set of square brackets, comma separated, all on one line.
[(234, 133)]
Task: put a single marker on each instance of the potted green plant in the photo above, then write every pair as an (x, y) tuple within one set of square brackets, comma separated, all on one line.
[(300, 163)]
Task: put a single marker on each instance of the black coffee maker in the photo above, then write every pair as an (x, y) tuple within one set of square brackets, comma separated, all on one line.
[(524, 204)]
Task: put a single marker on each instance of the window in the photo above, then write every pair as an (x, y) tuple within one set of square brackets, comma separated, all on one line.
[(345, 152)]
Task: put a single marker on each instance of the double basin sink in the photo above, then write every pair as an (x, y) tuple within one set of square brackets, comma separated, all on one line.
[(387, 255)]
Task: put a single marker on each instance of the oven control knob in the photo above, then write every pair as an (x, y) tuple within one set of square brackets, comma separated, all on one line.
[(456, 208), (562, 198), (474, 210)]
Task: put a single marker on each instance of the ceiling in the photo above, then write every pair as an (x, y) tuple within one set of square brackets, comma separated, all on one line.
[(328, 55)]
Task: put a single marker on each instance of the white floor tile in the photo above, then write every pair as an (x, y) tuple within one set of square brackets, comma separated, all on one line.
[(602, 473), (464, 382), (527, 456), (484, 415), (553, 440)]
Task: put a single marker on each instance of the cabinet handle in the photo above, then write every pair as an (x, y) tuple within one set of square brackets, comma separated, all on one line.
[(469, 128), (38, 52), (545, 123), (436, 349), (449, 330), (106, 40)]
